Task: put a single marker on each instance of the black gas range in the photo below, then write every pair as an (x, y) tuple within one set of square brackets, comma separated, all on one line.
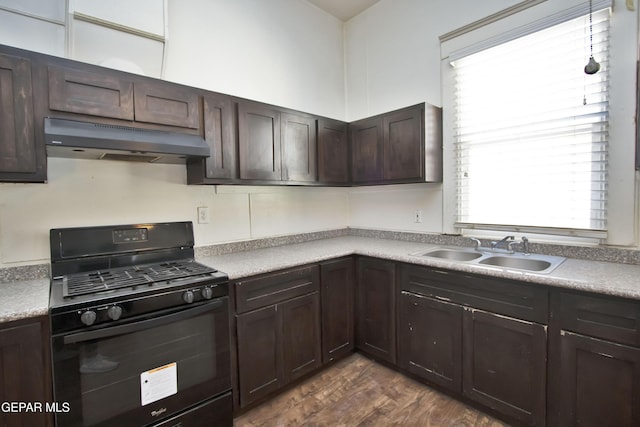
[(140, 330)]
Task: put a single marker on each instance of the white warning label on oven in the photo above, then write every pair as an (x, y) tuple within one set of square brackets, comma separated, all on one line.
[(158, 383)]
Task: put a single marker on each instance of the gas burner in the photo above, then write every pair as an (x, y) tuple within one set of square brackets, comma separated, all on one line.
[(115, 278)]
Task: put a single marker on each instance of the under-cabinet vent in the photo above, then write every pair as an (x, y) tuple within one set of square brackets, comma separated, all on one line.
[(70, 138), (142, 158)]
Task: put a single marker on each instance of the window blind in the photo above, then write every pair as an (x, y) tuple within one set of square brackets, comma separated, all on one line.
[(531, 132)]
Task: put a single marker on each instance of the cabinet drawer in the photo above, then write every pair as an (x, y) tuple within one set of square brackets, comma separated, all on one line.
[(609, 318), (270, 289), (499, 296)]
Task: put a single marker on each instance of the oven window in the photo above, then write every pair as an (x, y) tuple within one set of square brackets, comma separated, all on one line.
[(101, 379)]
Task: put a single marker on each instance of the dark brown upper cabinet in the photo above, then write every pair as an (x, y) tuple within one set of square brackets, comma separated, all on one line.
[(163, 104), (22, 157), (95, 94), (276, 145), (397, 147), (333, 152), (298, 148), (367, 150), (220, 133), (404, 144), (259, 142), (89, 90)]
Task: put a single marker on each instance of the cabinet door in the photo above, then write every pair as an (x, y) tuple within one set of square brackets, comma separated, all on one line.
[(333, 152), (338, 297), (504, 365), (298, 148), (259, 354), (17, 143), (367, 151), (404, 145), (259, 142), (101, 94), (300, 319), (23, 374), (219, 132), (599, 382), (430, 340), (164, 104), (376, 308)]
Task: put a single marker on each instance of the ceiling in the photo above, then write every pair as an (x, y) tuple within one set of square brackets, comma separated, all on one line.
[(344, 9)]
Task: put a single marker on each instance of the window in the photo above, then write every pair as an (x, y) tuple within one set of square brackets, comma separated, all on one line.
[(531, 132)]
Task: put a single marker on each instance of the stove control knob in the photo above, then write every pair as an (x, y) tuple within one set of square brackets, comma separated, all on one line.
[(188, 297), (88, 317), (114, 312), (207, 293)]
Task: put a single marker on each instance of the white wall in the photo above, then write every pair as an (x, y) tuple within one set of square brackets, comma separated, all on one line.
[(284, 52), (33, 25), (393, 60)]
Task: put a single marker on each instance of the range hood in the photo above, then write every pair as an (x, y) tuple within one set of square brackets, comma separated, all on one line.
[(70, 138)]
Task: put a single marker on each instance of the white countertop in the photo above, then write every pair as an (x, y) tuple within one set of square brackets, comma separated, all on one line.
[(30, 298), (593, 276), (23, 299)]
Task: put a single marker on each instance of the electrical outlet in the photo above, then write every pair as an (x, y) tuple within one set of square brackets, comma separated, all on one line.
[(418, 216), (203, 215)]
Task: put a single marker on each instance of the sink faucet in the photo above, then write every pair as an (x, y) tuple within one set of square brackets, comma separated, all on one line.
[(476, 242), (504, 242)]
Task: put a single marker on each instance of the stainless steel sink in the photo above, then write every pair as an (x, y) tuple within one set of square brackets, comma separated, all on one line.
[(535, 263), (453, 254), (519, 263)]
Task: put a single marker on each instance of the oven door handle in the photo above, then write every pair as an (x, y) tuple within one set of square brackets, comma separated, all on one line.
[(143, 324)]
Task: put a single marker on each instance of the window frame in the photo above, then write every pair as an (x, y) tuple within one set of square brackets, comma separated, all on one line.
[(623, 195)]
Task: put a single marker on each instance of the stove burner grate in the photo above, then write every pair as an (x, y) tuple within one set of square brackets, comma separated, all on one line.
[(115, 278)]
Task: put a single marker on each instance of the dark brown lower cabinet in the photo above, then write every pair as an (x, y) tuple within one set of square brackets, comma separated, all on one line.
[(376, 308), (338, 297), (430, 340), (598, 382), (498, 359), (25, 374), (300, 335), (277, 344), (594, 360), (259, 354), (504, 364), (495, 360)]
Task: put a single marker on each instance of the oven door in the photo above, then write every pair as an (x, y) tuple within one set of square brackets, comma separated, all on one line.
[(142, 371)]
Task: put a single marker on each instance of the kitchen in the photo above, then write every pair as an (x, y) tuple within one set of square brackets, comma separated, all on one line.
[(358, 69)]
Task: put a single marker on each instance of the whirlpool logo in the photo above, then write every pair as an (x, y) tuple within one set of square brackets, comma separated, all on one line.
[(158, 412)]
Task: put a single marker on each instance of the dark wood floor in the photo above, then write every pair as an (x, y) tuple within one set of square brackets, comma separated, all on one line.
[(359, 392)]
